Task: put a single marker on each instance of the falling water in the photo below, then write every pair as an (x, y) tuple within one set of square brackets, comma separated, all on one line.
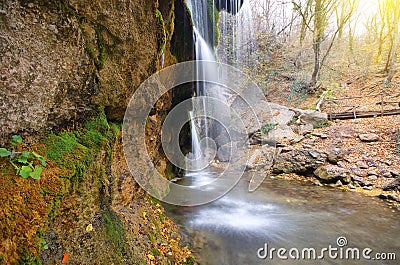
[(237, 36), (204, 21), (196, 149), (200, 16)]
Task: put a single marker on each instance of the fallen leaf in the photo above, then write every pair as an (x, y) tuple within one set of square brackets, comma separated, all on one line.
[(89, 228), (150, 257), (65, 258)]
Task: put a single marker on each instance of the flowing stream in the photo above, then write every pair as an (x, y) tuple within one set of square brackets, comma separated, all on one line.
[(288, 214)]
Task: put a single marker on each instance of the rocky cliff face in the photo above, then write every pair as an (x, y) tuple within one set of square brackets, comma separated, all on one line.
[(62, 62), (62, 59)]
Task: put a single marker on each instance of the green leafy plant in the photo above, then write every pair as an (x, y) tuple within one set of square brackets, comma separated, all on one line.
[(23, 162), (43, 243), (298, 91), (322, 124), (268, 127)]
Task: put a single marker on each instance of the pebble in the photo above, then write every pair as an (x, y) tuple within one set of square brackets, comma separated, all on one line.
[(339, 183), (362, 164), (351, 186), (321, 135), (367, 188), (387, 174), (395, 173), (372, 177), (372, 172)]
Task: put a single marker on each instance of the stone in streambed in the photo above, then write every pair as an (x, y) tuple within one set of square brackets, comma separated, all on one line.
[(331, 174), (394, 185), (300, 161), (351, 186), (360, 181)]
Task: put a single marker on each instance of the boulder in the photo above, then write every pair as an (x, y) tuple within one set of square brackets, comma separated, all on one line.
[(282, 132), (312, 117), (358, 172), (369, 137), (341, 131), (335, 155), (389, 197), (394, 185), (387, 174), (332, 174), (351, 186), (306, 129), (282, 114), (222, 139), (360, 181), (224, 153), (300, 161), (261, 158)]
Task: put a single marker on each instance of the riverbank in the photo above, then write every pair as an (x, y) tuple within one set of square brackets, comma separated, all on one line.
[(340, 157)]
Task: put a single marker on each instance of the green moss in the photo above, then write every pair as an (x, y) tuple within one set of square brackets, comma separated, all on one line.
[(90, 51), (76, 151), (170, 172), (322, 124), (98, 123), (189, 12), (162, 41), (69, 154), (190, 260), (101, 59), (59, 146), (268, 127), (115, 129), (29, 259), (68, 9), (115, 234), (213, 23)]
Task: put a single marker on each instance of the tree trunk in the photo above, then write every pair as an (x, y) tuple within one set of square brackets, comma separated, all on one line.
[(319, 30), (351, 39), (317, 52), (390, 65)]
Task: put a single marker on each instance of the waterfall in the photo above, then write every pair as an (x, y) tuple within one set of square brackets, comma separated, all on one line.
[(196, 148), (203, 21), (237, 35), (199, 10)]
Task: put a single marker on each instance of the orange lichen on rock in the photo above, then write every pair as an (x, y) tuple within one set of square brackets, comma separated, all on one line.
[(25, 205)]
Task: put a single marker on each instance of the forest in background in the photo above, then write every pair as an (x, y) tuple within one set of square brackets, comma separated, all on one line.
[(304, 51)]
